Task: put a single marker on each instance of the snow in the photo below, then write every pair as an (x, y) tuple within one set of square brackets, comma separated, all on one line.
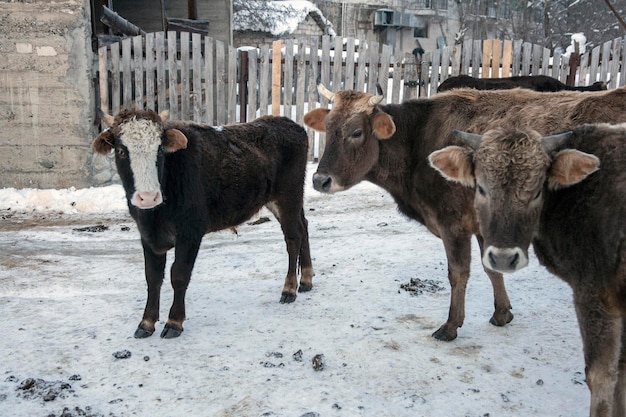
[(275, 17), (71, 297)]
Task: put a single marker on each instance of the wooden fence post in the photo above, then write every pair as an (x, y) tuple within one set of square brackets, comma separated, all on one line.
[(276, 72)]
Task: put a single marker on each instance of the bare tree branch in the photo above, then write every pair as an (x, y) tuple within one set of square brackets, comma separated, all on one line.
[(617, 16)]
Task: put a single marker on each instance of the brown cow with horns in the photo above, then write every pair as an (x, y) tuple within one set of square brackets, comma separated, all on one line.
[(567, 195), (184, 179), (389, 145)]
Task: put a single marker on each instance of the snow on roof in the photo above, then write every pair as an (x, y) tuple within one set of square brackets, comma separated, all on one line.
[(277, 17)]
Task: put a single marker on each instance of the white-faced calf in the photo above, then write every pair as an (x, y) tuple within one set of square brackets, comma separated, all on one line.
[(183, 180), (565, 194)]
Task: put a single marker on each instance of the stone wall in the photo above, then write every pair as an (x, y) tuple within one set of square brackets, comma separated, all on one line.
[(46, 94)]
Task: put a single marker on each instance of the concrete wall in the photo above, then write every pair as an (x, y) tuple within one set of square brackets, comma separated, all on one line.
[(46, 94)]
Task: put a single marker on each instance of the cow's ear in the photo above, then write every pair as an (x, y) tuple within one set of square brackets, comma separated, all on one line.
[(315, 119), (103, 143), (383, 126), (455, 164), (175, 140), (570, 167)]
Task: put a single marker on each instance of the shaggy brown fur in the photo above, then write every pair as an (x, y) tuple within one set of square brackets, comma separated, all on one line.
[(358, 148)]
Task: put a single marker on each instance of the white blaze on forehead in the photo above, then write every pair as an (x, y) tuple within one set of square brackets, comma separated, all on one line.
[(142, 138)]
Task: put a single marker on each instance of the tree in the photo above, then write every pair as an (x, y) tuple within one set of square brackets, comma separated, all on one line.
[(546, 22)]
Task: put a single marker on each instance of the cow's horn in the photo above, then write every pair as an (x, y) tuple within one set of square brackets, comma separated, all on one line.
[(471, 139), (552, 142), (374, 100), (325, 92)]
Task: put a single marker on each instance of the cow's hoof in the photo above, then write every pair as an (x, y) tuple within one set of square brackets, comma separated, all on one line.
[(501, 318), (287, 298), (170, 333), (142, 334), (444, 335), (305, 288)]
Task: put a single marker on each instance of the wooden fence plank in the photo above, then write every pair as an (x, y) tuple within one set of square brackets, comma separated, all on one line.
[(325, 69), (526, 58), (209, 80), (350, 68), (507, 55), (196, 69), (231, 92), (161, 86), (495, 58), (383, 72), (138, 72), (253, 91), (265, 87), (605, 60), (477, 57), (486, 58), (455, 60), (220, 83), (516, 67), (622, 80), (127, 74), (116, 102), (172, 71), (184, 94), (300, 80), (434, 74), (372, 74), (337, 64), (445, 64), (276, 75), (397, 81), (150, 72), (466, 57), (313, 78), (361, 69), (288, 81)]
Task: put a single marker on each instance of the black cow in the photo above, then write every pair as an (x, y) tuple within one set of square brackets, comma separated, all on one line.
[(541, 83), (183, 180), (567, 195)]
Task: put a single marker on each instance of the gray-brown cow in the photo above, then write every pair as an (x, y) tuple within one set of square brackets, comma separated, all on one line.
[(389, 145), (567, 195)]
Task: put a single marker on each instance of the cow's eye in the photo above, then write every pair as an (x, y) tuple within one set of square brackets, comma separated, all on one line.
[(357, 134), (480, 190), (121, 153)]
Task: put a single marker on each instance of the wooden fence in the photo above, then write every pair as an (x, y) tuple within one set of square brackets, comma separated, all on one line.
[(201, 79)]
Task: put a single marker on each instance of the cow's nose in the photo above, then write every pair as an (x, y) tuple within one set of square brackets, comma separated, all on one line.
[(146, 200), (322, 182), (504, 260)]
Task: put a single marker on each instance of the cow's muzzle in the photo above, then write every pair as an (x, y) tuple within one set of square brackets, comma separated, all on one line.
[(322, 182), (504, 259), (146, 200)]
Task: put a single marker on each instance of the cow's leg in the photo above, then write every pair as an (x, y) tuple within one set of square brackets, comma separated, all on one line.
[(619, 402), (306, 266), (601, 332), (289, 217), (186, 251), (502, 313), (458, 251), (154, 265)]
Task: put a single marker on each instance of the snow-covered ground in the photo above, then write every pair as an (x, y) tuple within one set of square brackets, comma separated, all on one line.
[(72, 293)]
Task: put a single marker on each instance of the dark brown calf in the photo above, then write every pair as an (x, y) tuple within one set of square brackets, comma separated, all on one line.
[(567, 195), (541, 83), (183, 180)]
